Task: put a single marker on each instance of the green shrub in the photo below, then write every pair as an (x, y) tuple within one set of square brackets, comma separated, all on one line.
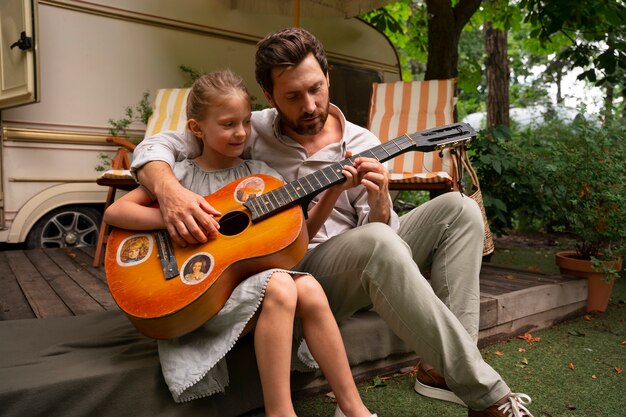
[(568, 177)]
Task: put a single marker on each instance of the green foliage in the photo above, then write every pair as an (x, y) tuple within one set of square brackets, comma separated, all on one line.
[(493, 156), (190, 73), (141, 112), (558, 177), (405, 23), (406, 200), (596, 30), (104, 162), (585, 184)]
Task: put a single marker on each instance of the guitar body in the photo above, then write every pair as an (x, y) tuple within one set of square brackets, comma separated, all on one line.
[(164, 308)]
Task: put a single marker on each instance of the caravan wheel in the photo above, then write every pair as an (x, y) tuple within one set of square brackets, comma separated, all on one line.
[(66, 226)]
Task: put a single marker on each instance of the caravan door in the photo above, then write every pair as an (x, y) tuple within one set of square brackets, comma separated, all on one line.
[(18, 53)]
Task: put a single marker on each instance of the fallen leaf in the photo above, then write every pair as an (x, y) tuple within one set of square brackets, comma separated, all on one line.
[(571, 365), (594, 377), (529, 338), (499, 353), (570, 406), (509, 277), (623, 343), (376, 382), (521, 350), (331, 395), (587, 317), (524, 361), (618, 370), (534, 268)]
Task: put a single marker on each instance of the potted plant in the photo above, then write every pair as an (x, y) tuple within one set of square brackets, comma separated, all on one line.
[(584, 193)]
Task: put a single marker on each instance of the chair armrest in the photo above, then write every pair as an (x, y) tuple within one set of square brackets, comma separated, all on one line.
[(121, 142)]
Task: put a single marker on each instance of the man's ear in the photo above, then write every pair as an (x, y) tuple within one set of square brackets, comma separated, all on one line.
[(194, 127), (268, 97)]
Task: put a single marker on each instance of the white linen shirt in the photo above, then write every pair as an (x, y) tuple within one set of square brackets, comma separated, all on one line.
[(286, 156)]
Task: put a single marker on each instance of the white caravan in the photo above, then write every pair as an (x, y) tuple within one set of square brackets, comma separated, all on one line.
[(68, 66)]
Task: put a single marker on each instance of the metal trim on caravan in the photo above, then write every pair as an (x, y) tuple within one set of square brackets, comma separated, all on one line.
[(89, 60)]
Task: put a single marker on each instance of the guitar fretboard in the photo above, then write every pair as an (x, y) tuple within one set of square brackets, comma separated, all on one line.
[(312, 184)]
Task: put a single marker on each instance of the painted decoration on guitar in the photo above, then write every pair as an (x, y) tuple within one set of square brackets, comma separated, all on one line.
[(250, 187), (197, 268), (134, 250)]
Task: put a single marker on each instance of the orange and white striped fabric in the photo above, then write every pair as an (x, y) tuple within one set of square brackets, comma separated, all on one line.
[(407, 107), (169, 111)]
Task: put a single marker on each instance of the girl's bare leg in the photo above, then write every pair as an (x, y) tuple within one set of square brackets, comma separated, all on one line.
[(325, 343), (272, 343)]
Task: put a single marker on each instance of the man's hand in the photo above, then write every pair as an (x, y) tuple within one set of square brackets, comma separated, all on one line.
[(351, 174), (374, 178), (187, 215)]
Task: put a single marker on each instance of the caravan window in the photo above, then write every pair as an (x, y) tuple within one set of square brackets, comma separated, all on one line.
[(350, 90)]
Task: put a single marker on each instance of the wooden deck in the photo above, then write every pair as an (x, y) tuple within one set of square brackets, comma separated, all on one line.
[(61, 282)]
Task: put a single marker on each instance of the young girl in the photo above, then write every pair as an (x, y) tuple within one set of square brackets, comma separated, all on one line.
[(218, 113)]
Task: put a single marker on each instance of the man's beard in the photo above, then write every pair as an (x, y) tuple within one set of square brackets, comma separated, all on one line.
[(305, 129)]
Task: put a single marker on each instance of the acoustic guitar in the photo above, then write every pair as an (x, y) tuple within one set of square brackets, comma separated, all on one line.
[(168, 291)]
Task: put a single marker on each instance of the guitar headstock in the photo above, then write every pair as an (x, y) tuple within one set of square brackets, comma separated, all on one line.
[(442, 137)]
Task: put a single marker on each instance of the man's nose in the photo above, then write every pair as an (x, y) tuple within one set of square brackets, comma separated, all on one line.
[(308, 105)]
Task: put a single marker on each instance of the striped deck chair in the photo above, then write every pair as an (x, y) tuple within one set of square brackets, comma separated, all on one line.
[(407, 107)]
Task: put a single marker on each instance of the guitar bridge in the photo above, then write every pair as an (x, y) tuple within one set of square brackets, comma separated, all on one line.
[(166, 254)]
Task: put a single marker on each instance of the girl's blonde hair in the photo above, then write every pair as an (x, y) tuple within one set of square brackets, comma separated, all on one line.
[(207, 90)]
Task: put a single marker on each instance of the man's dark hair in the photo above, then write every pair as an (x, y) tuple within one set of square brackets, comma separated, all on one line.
[(285, 48)]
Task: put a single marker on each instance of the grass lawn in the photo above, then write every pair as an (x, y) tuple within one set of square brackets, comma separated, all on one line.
[(574, 369)]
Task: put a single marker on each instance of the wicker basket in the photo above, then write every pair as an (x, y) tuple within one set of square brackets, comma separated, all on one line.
[(477, 196)]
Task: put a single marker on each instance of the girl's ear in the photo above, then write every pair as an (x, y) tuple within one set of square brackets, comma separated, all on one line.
[(194, 127)]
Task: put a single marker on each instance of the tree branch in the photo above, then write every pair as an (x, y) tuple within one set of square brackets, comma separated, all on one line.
[(463, 12)]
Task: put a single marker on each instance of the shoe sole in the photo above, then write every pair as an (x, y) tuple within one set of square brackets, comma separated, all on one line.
[(437, 393)]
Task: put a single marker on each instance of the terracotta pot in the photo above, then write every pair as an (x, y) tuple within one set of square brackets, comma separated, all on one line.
[(598, 289)]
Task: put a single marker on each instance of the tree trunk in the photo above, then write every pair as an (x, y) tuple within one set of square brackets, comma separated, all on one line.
[(445, 24), (559, 81), (497, 67)]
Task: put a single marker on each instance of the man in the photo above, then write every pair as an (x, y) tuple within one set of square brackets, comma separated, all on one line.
[(363, 255)]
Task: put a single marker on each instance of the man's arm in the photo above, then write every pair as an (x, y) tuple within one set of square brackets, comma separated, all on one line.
[(188, 217)]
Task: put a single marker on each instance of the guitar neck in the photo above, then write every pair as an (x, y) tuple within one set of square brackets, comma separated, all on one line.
[(303, 189)]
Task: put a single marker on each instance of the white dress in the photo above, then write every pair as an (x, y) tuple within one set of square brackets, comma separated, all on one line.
[(194, 365)]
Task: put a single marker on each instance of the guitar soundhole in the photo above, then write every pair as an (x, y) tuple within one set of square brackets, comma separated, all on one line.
[(233, 223)]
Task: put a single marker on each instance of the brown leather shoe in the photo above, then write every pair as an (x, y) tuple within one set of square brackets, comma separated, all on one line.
[(513, 405), (430, 383)]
